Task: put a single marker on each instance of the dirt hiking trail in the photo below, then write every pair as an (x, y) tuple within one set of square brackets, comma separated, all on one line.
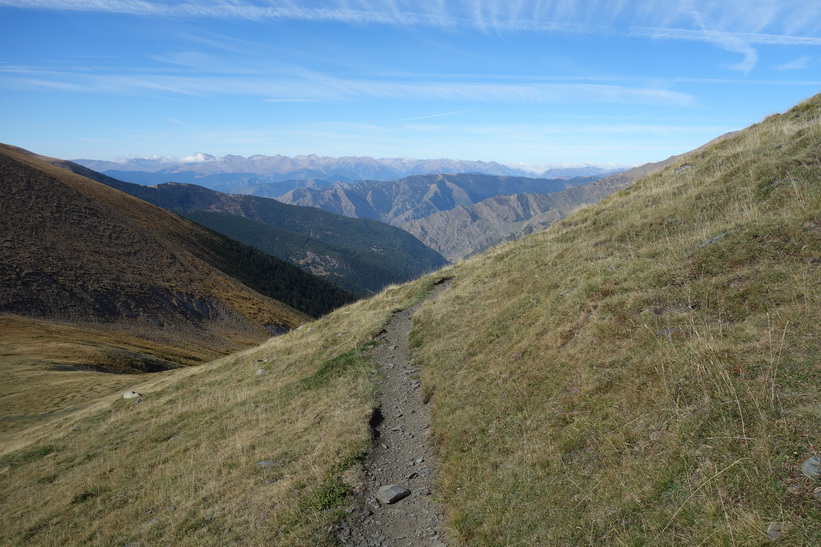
[(401, 454)]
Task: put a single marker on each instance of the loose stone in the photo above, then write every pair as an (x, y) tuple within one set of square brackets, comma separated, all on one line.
[(812, 467), (392, 493), (774, 530)]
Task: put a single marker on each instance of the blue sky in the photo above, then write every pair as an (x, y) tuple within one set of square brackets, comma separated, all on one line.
[(540, 82)]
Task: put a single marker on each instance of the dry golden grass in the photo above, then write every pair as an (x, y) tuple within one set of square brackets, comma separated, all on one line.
[(646, 371), (44, 367), (180, 466)]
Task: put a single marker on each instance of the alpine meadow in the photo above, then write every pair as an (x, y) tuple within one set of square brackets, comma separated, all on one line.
[(645, 371)]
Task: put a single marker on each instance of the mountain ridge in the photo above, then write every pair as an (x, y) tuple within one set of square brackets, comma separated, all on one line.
[(417, 196), (362, 255)]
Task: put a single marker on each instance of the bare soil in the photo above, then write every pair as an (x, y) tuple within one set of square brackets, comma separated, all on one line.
[(401, 453)]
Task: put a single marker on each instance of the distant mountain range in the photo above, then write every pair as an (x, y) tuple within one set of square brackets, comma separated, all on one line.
[(274, 175), (438, 201), (462, 214), (459, 214)]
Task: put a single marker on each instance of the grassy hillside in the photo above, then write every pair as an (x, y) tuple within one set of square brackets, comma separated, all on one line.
[(102, 240), (647, 370), (644, 372), (257, 448)]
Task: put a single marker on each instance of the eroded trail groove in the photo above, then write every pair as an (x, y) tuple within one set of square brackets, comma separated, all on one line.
[(401, 453)]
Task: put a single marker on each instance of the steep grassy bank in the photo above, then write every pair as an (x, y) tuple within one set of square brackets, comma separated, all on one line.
[(258, 448), (646, 371)]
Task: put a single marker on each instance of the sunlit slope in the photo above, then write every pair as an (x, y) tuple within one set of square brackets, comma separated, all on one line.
[(649, 369), (257, 448)]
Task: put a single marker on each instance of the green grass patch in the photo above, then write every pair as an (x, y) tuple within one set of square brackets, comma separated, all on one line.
[(337, 366)]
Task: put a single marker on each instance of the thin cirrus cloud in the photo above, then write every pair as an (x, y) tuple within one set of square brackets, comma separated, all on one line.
[(323, 88), (798, 64), (569, 15), (734, 25)]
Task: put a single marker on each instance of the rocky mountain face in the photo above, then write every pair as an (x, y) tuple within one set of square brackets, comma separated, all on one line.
[(77, 252), (361, 255), (411, 198), (463, 231)]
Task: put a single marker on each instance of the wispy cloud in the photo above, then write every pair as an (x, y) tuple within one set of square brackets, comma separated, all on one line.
[(748, 82), (335, 11), (429, 116), (737, 26), (569, 16), (736, 42), (318, 87), (798, 64), (289, 100)]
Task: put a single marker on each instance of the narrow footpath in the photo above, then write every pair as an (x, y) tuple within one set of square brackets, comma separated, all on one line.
[(397, 505)]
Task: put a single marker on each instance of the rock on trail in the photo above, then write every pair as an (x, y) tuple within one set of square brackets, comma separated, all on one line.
[(396, 505)]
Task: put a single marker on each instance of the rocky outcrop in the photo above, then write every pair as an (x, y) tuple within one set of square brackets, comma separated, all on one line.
[(464, 231)]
